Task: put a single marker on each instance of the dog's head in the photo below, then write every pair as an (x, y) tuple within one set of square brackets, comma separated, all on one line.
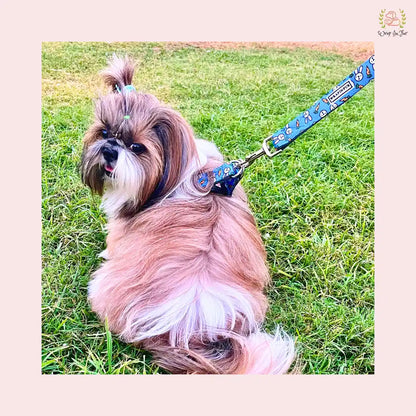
[(137, 149)]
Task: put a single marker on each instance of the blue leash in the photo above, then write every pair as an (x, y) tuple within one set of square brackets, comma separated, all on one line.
[(225, 178)]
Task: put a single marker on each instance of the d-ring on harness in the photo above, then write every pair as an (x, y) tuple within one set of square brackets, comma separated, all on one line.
[(225, 178)]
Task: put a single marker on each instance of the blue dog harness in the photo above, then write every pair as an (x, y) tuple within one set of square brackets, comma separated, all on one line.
[(225, 178)]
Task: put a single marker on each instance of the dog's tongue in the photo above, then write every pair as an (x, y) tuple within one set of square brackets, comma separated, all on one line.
[(108, 168)]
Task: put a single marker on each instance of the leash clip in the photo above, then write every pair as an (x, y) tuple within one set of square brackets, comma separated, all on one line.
[(265, 150)]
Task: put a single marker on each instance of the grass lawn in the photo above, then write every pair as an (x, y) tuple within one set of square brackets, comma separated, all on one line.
[(314, 203)]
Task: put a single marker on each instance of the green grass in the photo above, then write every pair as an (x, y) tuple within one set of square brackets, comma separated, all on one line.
[(314, 204)]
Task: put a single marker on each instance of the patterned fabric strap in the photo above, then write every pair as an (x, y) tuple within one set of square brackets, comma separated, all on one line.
[(329, 102), (221, 180), (224, 179)]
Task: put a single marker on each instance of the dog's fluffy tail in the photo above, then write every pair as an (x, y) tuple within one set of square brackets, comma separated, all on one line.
[(259, 353), (119, 73)]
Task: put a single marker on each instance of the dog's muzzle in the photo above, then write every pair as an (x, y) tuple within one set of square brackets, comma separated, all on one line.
[(110, 154)]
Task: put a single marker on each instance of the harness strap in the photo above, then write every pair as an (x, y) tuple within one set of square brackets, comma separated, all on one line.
[(225, 178), (222, 180)]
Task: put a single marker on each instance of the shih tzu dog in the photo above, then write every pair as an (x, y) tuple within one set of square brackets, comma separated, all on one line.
[(184, 270)]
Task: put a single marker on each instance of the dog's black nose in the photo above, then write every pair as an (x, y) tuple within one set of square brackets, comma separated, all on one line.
[(110, 154)]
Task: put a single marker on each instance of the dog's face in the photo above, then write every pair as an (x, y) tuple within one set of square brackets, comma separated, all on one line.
[(137, 147)]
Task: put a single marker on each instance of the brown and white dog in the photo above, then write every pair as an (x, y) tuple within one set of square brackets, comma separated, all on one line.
[(184, 270)]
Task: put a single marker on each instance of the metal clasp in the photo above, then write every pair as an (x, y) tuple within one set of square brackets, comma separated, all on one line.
[(251, 158), (266, 147), (265, 150)]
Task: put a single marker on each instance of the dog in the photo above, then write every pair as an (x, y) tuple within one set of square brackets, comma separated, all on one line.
[(184, 270)]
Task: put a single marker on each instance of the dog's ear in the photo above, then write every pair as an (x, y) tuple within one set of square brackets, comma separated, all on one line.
[(119, 73), (176, 139), (90, 175)]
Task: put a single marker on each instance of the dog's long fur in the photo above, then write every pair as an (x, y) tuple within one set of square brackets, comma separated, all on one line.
[(184, 271)]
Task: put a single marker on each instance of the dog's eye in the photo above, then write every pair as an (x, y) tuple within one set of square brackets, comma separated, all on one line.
[(104, 133), (137, 148)]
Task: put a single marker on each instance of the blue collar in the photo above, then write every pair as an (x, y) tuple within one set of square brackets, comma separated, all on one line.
[(225, 178)]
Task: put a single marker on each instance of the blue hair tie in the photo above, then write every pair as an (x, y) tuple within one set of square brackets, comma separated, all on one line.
[(129, 88), (126, 88)]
